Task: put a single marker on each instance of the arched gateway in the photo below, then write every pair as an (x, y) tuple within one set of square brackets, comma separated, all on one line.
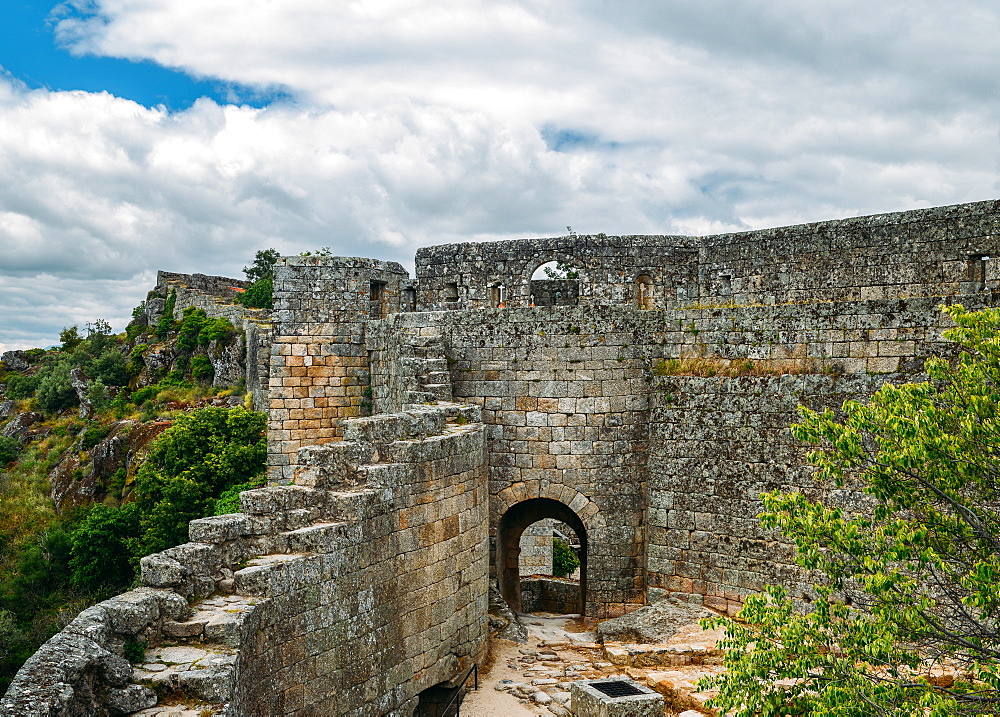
[(512, 523)]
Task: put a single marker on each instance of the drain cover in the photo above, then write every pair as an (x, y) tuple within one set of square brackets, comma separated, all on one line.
[(616, 688)]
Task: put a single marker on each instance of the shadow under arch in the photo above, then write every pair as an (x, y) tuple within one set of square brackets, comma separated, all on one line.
[(512, 523)]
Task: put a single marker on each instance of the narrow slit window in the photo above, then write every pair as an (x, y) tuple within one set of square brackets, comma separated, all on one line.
[(451, 292)]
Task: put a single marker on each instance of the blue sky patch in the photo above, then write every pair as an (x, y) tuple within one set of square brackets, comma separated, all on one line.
[(29, 53)]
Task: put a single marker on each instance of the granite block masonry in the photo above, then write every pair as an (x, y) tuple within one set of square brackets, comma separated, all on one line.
[(417, 428)]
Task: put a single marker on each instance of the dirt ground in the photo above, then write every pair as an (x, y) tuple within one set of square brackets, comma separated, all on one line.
[(534, 679)]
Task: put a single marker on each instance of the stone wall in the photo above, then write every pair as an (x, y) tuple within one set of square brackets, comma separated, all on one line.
[(924, 252), (319, 365), (349, 592), (550, 595), (216, 296), (564, 392), (536, 550), (715, 445), (463, 276)]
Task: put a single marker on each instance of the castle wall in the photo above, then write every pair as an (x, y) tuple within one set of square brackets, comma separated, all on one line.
[(925, 252), (461, 276), (715, 445), (319, 365), (347, 593)]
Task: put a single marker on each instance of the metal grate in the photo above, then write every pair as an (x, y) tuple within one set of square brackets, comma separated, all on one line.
[(618, 688)]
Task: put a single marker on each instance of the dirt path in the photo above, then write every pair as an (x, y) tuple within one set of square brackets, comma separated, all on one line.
[(533, 680)]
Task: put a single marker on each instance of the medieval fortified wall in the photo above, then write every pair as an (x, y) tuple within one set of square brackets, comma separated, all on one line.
[(419, 425)]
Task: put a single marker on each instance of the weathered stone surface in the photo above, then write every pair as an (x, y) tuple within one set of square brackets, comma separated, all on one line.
[(20, 424), (126, 700), (15, 360), (653, 623), (81, 384)]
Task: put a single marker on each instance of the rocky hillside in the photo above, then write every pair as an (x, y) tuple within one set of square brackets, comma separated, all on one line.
[(77, 424)]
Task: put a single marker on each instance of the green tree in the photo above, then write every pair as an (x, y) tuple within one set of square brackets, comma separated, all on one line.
[(110, 367), (912, 581), (70, 338), (263, 264), (259, 295), (55, 392), (190, 465), (564, 560), (21, 387), (100, 562)]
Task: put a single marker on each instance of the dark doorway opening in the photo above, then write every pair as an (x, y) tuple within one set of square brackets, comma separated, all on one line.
[(439, 701), (512, 525)]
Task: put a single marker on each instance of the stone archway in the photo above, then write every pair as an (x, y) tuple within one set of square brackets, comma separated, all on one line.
[(512, 524)]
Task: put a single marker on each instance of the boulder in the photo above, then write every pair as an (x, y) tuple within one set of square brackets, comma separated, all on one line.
[(652, 624), (15, 360)]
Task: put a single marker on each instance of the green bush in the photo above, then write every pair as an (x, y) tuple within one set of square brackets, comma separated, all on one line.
[(9, 450), (147, 393), (191, 325), (21, 387), (110, 368), (219, 329), (166, 322), (100, 561), (55, 392), (94, 434), (201, 368), (564, 560), (190, 465), (229, 501), (259, 295)]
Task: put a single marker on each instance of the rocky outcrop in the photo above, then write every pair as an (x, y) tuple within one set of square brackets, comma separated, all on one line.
[(81, 384), (82, 477), (19, 426), (15, 360)]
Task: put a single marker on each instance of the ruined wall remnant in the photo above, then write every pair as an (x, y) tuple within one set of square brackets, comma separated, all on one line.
[(319, 366)]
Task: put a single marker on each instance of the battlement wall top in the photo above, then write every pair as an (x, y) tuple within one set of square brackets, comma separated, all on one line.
[(924, 252)]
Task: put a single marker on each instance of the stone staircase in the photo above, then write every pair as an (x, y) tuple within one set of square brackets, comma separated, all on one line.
[(423, 361)]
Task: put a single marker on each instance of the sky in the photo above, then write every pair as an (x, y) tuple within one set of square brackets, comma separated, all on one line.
[(185, 135)]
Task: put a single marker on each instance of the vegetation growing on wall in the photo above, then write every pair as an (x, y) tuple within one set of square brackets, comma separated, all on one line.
[(912, 585), (708, 366)]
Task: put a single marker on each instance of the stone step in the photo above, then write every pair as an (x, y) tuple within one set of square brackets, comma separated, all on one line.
[(432, 377), (315, 538), (202, 673), (434, 364), (439, 391), (419, 397)]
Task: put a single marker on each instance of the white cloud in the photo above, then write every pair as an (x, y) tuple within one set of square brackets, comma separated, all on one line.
[(423, 122)]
